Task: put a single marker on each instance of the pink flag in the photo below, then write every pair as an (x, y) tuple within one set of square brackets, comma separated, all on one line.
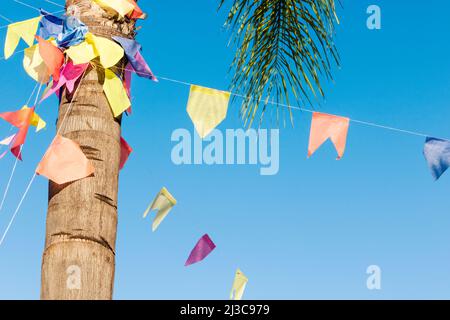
[(70, 73), (125, 151), (201, 250), (7, 141), (64, 162)]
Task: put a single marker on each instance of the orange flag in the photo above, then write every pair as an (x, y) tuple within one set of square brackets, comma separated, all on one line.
[(326, 126), (20, 119), (53, 57), (64, 162)]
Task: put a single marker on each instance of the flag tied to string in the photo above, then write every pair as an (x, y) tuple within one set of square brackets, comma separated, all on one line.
[(437, 154)]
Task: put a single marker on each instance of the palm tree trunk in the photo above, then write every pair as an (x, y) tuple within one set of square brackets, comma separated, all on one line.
[(79, 256)]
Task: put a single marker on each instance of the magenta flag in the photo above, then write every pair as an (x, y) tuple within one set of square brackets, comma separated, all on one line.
[(70, 74), (201, 250)]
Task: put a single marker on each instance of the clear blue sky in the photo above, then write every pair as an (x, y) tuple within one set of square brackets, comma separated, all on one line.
[(310, 231)]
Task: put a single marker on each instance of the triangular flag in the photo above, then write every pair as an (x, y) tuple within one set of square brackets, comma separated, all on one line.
[(20, 119), (207, 108), (70, 74), (50, 26), (52, 56), (122, 7), (201, 250), (327, 126), (125, 151), (81, 53), (437, 154), (64, 162), (36, 120), (137, 12), (34, 65), (116, 93), (7, 141), (73, 33), (239, 284), (163, 202), (109, 52), (132, 50), (23, 29)]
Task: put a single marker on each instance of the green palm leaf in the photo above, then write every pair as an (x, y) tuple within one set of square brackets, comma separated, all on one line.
[(284, 48)]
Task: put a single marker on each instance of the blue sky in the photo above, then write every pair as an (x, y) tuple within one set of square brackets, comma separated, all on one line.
[(310, 231)]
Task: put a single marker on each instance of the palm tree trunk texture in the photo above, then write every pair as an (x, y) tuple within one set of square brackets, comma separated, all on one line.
[(79, 256)]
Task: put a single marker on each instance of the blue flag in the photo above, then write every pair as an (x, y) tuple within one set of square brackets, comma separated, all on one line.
[(50, 26), (73, 32), (132, 50), (437, 154)]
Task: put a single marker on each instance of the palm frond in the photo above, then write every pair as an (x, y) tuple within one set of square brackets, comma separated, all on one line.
[(284, 48)]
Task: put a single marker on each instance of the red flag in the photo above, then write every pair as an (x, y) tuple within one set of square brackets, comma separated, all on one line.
[(327, 126), (125, 151)]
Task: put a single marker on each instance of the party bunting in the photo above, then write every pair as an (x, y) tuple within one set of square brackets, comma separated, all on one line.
[(122, 7), (64, 162), (34, 65), (164, 202), (132, 50), (326, 126), (20, 30), (52, 56), (437, 154), (116, 93), (20, 119), (70, 74), (125, 151), (201, 250), (239, 284), (207, 108), (74, 32), (50, 26)]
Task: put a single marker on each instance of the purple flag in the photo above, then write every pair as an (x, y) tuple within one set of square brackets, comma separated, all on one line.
[(132, 50), (201, 250), (437, 154)]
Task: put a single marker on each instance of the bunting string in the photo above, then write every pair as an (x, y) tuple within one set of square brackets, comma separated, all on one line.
[(69, 109), (5, 193)]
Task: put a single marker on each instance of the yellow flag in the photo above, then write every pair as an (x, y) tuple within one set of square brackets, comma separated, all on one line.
[(239, 284), (116, 93), (109, 51), (25, 30), (122, 7), (207, 108), (163, 202), (34, 65), (36, 121), (81, 53)]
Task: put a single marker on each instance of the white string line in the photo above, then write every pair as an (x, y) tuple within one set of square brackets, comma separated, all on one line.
[(5, 193), (370, 124), (19, 22), (56, 4), (6, 18), (35, 174)]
